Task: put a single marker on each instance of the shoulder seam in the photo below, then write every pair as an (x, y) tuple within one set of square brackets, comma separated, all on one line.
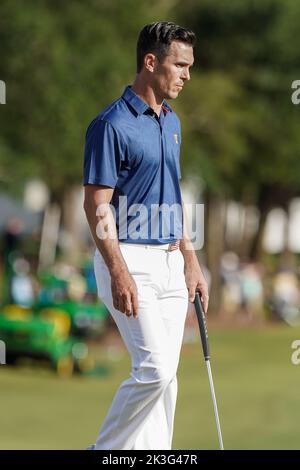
[(113, 127)]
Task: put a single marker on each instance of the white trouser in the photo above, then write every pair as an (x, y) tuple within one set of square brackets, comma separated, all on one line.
[(141, 415)]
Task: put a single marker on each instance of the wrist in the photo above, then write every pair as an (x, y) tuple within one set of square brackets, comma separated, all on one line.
[(189, 256), (118, 269)]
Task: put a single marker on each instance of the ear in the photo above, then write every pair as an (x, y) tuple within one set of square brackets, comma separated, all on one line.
[(149, 62)]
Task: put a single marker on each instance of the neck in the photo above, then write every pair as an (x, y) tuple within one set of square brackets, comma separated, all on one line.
[(145, 91)]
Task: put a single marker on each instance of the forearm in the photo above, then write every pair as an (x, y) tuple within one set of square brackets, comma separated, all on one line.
[(186, 246), (188, 252), (193, 274), (104, 232)]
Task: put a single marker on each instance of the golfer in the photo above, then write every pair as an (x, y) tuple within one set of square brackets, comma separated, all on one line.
[(145, 266)]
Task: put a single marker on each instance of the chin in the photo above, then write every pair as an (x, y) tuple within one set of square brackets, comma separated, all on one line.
[(173, 94)]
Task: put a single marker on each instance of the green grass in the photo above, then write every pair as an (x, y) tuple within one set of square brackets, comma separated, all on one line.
[(256, 384)]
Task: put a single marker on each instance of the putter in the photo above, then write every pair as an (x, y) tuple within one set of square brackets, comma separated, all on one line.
[(205, 346)]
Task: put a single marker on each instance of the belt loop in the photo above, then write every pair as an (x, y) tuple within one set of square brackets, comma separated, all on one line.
[(174, 246)]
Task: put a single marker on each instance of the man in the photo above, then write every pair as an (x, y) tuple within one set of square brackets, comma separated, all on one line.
[(132, 166)]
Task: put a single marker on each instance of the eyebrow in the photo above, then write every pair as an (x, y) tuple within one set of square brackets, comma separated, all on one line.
[(183, 62)]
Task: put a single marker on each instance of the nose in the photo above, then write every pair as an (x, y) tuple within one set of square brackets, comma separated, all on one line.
[(185, 74)]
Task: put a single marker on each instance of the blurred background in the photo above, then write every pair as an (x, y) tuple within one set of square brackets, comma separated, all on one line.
[(62, 63)]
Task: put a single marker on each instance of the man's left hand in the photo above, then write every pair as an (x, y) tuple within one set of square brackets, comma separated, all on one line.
[(195, 281)]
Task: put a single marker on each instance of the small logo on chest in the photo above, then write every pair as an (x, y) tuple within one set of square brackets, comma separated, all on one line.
[(176, 138)]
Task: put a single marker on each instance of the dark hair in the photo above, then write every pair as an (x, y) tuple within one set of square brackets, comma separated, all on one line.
[(157, 38)]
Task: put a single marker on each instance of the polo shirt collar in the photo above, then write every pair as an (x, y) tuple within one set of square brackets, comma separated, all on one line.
[(166, 107), (137, 103)]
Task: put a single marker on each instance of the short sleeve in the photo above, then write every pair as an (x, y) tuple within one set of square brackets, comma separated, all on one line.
[(103, 154)]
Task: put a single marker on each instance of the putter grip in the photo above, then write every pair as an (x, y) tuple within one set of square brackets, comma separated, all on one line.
[(202, 325)]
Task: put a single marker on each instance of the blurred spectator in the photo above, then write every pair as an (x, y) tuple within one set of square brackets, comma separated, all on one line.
[(286, 297), (242, 292), (252, 293), (21, 285), (231, 292), (12, 234), (11, 239)]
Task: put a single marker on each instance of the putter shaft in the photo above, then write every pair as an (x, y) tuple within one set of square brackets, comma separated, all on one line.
[(212, 389), (205, 346)]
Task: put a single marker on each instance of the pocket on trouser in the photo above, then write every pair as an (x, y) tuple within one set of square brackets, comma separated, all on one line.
[(176, 266), (137, 259)]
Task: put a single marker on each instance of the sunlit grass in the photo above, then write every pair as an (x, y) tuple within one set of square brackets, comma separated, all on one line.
[(257, 389)]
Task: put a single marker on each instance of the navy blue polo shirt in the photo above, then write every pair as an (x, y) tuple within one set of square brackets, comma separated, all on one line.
[(129, 148)]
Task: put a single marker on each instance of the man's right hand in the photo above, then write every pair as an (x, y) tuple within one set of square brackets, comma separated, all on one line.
[(124, 293)]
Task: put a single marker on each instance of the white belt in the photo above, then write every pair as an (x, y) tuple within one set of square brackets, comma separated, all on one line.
[(166, 247)]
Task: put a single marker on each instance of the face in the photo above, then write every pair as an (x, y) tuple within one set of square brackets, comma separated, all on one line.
[(170, 75)]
